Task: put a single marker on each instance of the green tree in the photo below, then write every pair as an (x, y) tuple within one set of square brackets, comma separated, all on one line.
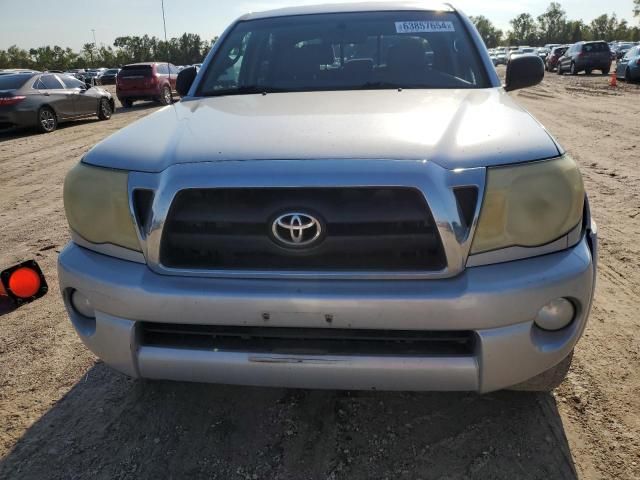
[(621, 31), (636, 8), (552, 24), (604, 27), (575, 31), (523, 31), (18, 58), (88, 50), (489, 33)]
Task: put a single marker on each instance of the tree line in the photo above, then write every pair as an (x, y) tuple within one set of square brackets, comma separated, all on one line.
[(553, 26), (187, 49)]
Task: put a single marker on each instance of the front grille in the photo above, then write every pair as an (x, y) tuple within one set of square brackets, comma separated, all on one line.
[(364, 229), (307, 341)]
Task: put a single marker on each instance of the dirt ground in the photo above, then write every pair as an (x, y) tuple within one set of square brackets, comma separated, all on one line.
[(64, 415)]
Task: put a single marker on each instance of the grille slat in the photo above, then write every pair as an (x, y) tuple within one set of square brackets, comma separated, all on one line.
[(365, 229), (308, 340)]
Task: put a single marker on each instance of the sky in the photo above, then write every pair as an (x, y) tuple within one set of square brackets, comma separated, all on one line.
[(69, 23)]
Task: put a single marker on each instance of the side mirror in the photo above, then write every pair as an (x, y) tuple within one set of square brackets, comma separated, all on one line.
[(185, 80), (524, 71)]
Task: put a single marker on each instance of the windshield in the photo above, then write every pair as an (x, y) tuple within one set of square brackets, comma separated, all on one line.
[(345, 52)]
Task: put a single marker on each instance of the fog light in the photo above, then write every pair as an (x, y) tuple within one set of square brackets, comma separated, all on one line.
[(82, 305), (556, 314)]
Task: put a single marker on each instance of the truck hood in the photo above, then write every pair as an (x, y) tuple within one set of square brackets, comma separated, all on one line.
[(454, 128)]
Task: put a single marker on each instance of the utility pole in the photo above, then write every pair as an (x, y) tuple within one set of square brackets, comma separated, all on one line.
[(95, 45), (166, 43)]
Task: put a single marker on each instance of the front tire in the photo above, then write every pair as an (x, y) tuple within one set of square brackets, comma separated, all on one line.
[(126, 102), (104, 109), (47, 120), (573, 70), (548, 380), (605, 71)]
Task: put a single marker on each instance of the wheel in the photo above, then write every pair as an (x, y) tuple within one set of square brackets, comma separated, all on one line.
[(588, 71), (559, 70), (126, 102), (104, 109), (548, 380), (573, 70), (627, 76), (47, 120), (165, 96), (605, 71)]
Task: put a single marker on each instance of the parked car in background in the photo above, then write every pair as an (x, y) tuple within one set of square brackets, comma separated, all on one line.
[(493, 57), (622, 48), (552, 59), (501, 56), (521, 51), (91, 75), (76, 72), (586, 57), (45, 100), (146, 81), (109, 77), (543, 53), (629, 66)]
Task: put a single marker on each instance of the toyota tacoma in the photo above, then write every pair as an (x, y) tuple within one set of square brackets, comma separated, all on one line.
[(345, 197)]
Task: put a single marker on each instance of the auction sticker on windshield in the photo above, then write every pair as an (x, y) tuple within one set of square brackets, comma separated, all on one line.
[(424, 27)]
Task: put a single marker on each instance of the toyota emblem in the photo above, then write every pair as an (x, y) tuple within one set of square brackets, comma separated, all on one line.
[(296, 230)]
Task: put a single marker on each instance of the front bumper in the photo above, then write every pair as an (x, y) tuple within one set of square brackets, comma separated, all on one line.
[(497, 302)]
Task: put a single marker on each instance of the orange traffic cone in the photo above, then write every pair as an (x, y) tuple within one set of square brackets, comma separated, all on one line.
[(613, 80)]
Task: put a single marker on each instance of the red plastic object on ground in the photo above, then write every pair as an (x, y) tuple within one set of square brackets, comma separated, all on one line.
[(23, 283)]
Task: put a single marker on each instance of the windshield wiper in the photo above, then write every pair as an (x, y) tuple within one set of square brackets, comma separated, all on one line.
[(246, 90), (381, 86)]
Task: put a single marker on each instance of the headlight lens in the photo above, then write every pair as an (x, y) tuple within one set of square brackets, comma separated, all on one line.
[(97, 206), (529, 205)]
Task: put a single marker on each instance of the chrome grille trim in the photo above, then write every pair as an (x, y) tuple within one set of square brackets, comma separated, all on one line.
[(436, 183)]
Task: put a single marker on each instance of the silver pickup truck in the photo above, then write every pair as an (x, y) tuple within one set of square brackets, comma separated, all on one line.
[(345, 197)]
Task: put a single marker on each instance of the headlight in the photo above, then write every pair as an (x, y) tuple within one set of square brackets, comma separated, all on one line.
[(96, 202), (529, 205)]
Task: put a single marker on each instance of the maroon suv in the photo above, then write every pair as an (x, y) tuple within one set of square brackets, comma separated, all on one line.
[(146, 81), (554, 56)]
